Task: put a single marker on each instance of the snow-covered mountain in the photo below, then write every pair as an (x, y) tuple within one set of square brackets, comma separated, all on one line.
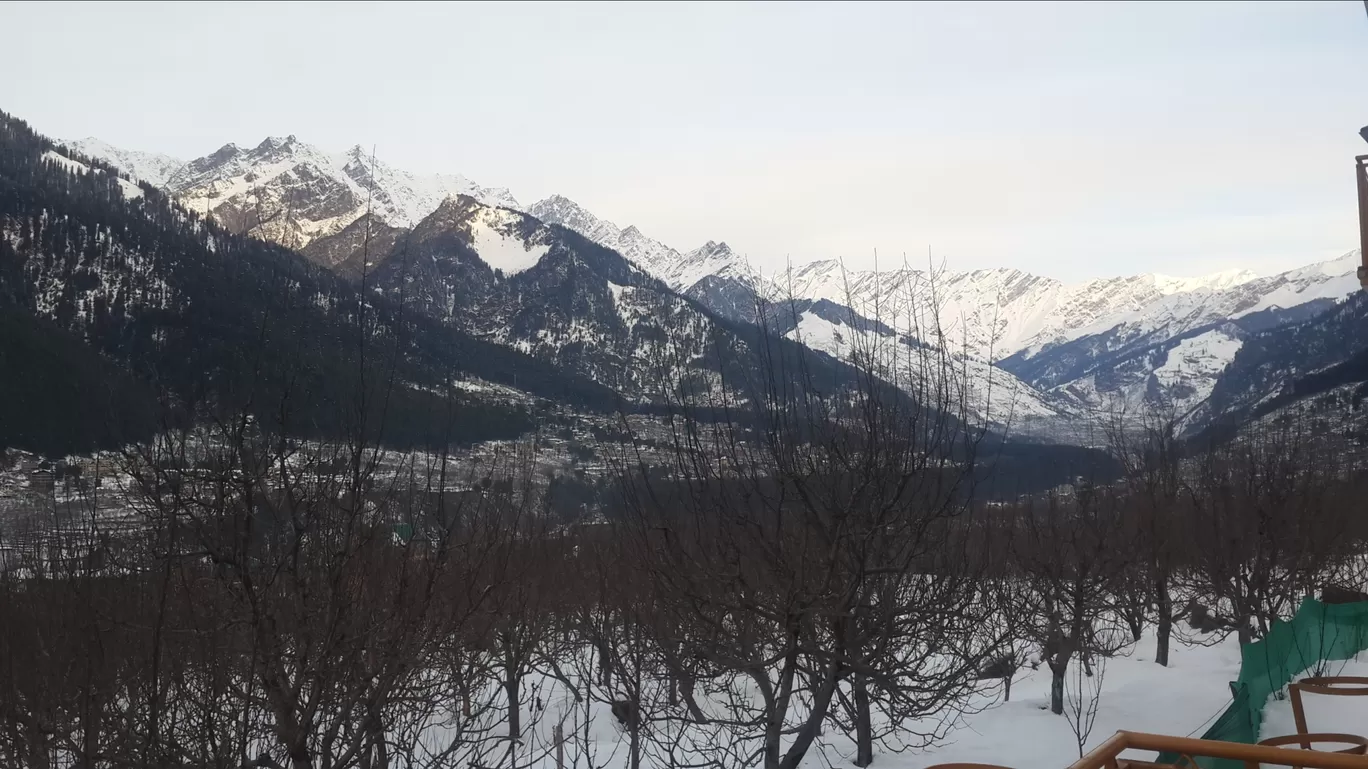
[(991, 394), (1034, 349), (1039, 351), (996, 313), (1171, 353), (680, 271), (291, 192), (151, 167), (1060, 349)]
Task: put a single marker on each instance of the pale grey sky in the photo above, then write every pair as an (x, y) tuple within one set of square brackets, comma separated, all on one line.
[(1071, 139)]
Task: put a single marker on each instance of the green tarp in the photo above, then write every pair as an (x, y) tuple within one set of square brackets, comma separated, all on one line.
[(1319, 632)]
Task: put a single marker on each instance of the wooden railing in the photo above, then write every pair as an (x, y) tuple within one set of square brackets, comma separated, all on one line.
[(1270, 751), (1106, 755)]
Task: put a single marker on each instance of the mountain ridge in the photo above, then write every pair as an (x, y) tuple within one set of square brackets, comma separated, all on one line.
[(1082, 346)]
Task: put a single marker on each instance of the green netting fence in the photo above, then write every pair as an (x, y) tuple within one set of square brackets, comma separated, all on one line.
[(1318, 633)]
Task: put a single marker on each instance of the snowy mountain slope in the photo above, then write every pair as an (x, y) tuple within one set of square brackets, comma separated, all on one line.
[(1180, 312), (151, 167), (1126, 361), (129, 189), (293, 193), (1135, 342), (1280, 366), (1048, 333), (724, 282), (1173, 377), (548, 292), (680, 271), (1148, 339), (997, 312), (991, 394), (167, 297)]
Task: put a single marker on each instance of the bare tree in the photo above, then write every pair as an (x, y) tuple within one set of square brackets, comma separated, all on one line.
[(1070, 556), (1263, 525), (1082, 698), (1151, 458), (806, 542)]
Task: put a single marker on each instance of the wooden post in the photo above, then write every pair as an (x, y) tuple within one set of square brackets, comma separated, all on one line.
[(1361, 180), (559, 736)]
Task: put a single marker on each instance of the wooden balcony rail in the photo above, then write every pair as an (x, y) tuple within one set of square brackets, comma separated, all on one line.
[(1358, 746), (1106, 755)]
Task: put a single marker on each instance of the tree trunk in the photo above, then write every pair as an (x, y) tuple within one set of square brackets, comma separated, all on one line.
[(512, 689), (605, 664), (1165, 627), (1007, 688), (808, 732), (300, 758), (379, 752), (1057, 686), (1137, 627), (40, 751), (864, 728)]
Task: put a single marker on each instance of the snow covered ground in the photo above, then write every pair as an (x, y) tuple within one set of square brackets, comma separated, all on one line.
[(1137, 695), (1182, 699)]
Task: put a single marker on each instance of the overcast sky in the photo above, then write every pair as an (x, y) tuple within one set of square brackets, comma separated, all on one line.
[(1071, 140)]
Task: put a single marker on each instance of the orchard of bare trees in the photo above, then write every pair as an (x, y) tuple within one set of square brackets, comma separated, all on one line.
[(807, 571)]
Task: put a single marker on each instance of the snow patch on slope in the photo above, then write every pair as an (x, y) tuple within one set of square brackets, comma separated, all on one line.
[(991, 393), (819, 334), (1193, 366), (151, 167), (129, 189), (493, 238)]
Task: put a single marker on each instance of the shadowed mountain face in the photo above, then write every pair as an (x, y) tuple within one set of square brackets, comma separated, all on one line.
[(216, 320)]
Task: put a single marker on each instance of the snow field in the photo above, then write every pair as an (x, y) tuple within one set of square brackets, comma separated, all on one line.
[(1138, 695), (492, 237)]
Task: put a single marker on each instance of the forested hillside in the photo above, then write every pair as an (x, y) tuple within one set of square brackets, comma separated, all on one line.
[(217, 320)]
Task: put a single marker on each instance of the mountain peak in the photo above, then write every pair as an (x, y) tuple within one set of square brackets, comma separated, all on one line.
[(1214, 281), (557, 199), (460, 201), (714, 247), (273, 143), (559, 209), (152, 167)]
